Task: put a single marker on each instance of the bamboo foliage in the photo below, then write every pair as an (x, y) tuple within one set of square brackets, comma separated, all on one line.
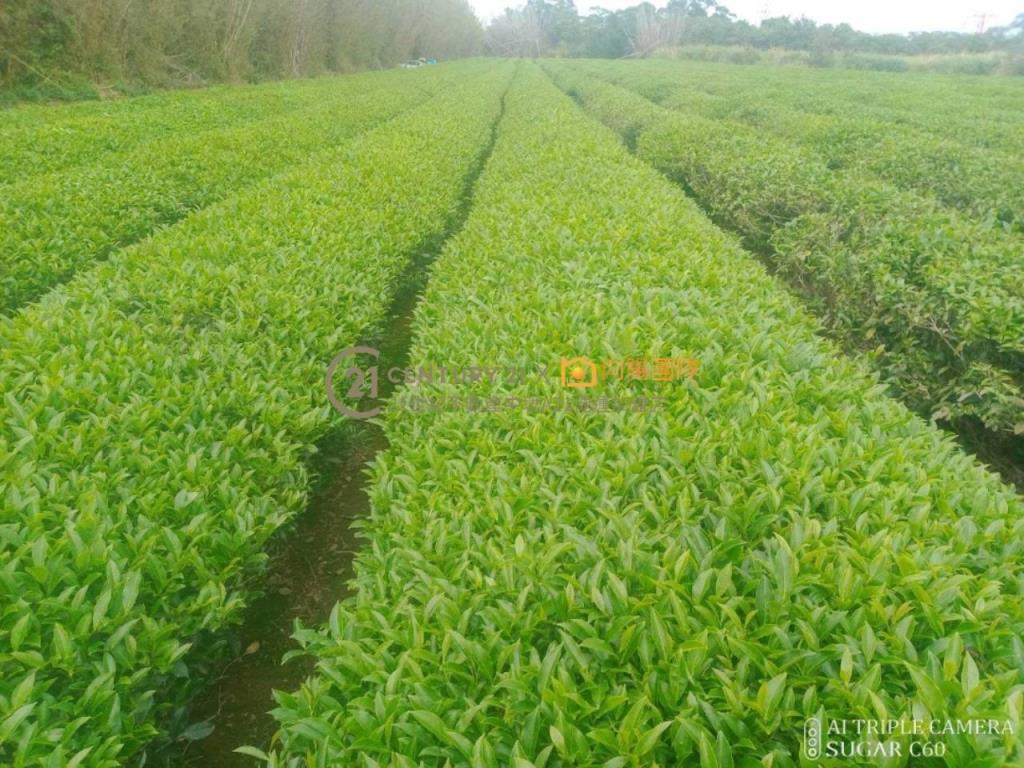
[(169, 42), (238, 16)]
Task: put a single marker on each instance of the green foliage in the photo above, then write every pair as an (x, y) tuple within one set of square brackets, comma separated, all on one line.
[(991, 63), (33, 36), (44, 43), (54, 224), (707, 29), (68, 89), (939, 291), (160, 410), (552, 588), (36, 140), (978, 173), (984, 116)]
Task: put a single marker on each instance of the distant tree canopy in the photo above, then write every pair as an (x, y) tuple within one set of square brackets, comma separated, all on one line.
[(173, 42), (181, 41), (554, 27)]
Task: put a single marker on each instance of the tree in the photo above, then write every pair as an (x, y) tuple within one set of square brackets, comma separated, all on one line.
[(168, 42), (540, 27), (553, 27)]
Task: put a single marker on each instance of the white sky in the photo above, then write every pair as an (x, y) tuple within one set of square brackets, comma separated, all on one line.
[(865, 15)]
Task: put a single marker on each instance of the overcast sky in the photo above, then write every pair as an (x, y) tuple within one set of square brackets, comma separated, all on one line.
[(865, 15)]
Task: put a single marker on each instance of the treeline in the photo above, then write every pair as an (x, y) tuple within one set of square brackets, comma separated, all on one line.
[(173, 42), (554, 27)]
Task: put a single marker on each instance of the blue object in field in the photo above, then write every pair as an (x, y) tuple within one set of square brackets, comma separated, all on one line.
[(431, 61)]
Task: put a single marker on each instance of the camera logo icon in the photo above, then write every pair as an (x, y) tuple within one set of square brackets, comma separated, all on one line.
[(812, 738), (579, 373)]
